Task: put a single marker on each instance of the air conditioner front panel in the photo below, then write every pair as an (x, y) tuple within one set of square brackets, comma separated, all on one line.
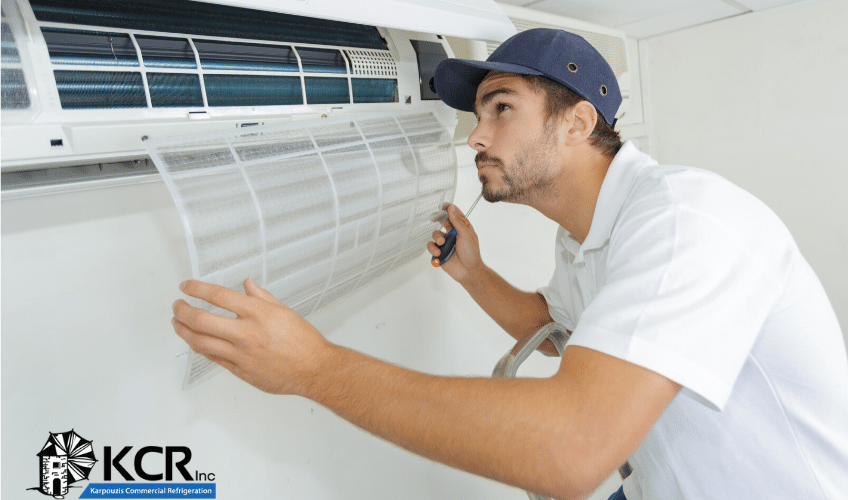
[(97, 91)]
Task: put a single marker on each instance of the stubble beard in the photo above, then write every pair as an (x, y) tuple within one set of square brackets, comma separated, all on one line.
[(530, 178)]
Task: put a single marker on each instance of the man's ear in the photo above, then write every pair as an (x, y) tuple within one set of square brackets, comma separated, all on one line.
[(582, 118)]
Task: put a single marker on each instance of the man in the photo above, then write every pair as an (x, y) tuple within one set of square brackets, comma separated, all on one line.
[(704, 348)]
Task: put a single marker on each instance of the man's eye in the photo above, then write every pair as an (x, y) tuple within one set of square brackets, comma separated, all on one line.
[(501, 107)]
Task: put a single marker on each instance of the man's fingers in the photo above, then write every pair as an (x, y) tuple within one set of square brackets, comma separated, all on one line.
[(226, 363), (207, 345), (254, 290), (449, 223), (433, 246), (438, 237), (202, 321), (216, 295)]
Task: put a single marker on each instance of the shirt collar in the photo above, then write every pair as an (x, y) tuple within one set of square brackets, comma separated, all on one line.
[(619, 179)]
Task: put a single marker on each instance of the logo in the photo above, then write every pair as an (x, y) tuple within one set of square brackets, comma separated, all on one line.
[(64, 459), (67, 457)]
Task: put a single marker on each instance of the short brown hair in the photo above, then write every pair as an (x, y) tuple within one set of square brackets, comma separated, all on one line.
[(560, 99)]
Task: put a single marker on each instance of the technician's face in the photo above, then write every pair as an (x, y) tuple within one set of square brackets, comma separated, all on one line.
[(516, 151)]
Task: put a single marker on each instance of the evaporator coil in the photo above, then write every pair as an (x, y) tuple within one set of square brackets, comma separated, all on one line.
[(311, 210)]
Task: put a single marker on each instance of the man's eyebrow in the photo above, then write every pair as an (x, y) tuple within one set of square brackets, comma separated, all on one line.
[(489, 95)]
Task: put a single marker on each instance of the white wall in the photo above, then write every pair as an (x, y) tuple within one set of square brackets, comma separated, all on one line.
[(762, 99), (88, 279)]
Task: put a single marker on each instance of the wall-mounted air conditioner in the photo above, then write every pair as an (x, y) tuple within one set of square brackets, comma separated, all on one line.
[(86, 82)]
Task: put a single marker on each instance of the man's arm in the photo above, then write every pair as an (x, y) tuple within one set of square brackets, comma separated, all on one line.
[(559, 436), (518, 312)]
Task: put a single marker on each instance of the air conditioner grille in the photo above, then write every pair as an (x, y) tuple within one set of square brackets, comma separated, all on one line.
[(371, 62), (84, 50), (611, 47)]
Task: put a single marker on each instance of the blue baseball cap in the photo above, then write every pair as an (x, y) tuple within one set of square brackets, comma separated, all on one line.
[(559, 55)]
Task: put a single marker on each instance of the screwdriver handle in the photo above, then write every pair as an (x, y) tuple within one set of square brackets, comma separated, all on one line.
[(447, 249)]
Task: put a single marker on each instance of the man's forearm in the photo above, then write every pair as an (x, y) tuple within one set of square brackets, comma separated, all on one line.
[(559, 436), (505, 429), (518, 312)]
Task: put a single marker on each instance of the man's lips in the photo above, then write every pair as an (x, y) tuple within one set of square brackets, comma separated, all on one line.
[(483, 160)]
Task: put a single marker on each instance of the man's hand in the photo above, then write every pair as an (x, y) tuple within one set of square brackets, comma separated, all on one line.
[(519, 313), (267, 345), (466, 257)]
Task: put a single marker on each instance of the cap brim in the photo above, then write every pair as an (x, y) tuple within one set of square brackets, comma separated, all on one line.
[(456, 80)]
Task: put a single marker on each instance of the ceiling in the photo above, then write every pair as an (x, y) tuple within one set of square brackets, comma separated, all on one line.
[(644, 18)]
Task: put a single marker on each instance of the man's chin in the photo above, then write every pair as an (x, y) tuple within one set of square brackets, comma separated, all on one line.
[(494, 196), (506, 193)]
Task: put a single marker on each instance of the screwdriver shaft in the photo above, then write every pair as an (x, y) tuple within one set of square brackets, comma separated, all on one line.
[(473, 205)]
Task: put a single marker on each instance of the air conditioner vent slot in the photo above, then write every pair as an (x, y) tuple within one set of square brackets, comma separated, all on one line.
[(74, 174)]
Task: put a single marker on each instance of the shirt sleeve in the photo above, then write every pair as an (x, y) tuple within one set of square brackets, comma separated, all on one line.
[(684, 297)]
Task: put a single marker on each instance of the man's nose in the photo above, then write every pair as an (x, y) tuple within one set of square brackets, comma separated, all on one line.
[(479, 138)]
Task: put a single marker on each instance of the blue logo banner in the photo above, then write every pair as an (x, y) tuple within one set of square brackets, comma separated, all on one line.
[(149, 490)]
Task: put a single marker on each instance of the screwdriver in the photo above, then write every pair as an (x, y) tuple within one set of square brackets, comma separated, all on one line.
[(449, 245)]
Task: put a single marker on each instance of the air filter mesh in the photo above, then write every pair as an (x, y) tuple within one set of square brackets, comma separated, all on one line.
[(311, 210)]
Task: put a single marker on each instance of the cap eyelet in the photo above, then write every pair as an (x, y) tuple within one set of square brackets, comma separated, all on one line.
[(603, 90), (572, 67)]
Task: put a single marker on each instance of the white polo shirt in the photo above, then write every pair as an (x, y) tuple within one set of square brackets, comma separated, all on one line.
[(690, 276)]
